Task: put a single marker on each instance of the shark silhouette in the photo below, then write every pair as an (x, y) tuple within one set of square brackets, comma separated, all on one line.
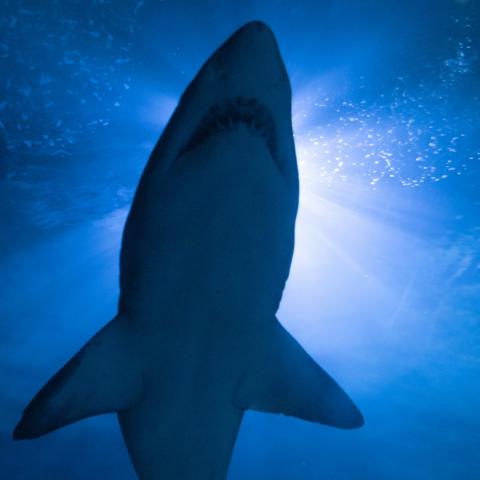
[(206, 252)]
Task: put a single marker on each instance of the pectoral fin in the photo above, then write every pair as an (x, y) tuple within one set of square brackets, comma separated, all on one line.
[(102, 377), (283, 378)]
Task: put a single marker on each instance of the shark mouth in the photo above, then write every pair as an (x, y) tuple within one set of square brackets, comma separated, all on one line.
[(229, 115)]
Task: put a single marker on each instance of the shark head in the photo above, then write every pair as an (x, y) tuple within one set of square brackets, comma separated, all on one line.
[(244, 84), (225, 164)]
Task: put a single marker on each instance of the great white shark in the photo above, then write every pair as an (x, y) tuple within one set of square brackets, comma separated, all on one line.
[(206, 252)]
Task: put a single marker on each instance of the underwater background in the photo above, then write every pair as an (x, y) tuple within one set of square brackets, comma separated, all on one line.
[(384, 290)]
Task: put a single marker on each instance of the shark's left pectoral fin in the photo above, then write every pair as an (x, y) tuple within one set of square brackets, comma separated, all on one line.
[(283, 378), (102, 377)]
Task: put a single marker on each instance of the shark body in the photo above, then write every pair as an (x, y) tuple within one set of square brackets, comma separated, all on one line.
[(206, 252)]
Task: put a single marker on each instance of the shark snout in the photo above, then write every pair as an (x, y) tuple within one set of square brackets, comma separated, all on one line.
[(250, 60)]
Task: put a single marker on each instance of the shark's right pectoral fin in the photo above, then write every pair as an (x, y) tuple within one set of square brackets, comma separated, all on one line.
[(102, 377), (283, 378)]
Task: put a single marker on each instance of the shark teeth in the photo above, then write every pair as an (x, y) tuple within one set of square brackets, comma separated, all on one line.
[(231, 114)]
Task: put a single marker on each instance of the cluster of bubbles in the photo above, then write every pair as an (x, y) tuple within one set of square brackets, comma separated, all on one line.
[(421, 130), (64, 73)]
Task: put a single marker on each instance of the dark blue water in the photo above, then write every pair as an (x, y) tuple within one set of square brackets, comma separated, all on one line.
[(385, 284)]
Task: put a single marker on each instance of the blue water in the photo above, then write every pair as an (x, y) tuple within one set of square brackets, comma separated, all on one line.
[(385, 283)]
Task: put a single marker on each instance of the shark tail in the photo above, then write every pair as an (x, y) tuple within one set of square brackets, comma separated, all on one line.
[(102, 377), (285, 379)]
